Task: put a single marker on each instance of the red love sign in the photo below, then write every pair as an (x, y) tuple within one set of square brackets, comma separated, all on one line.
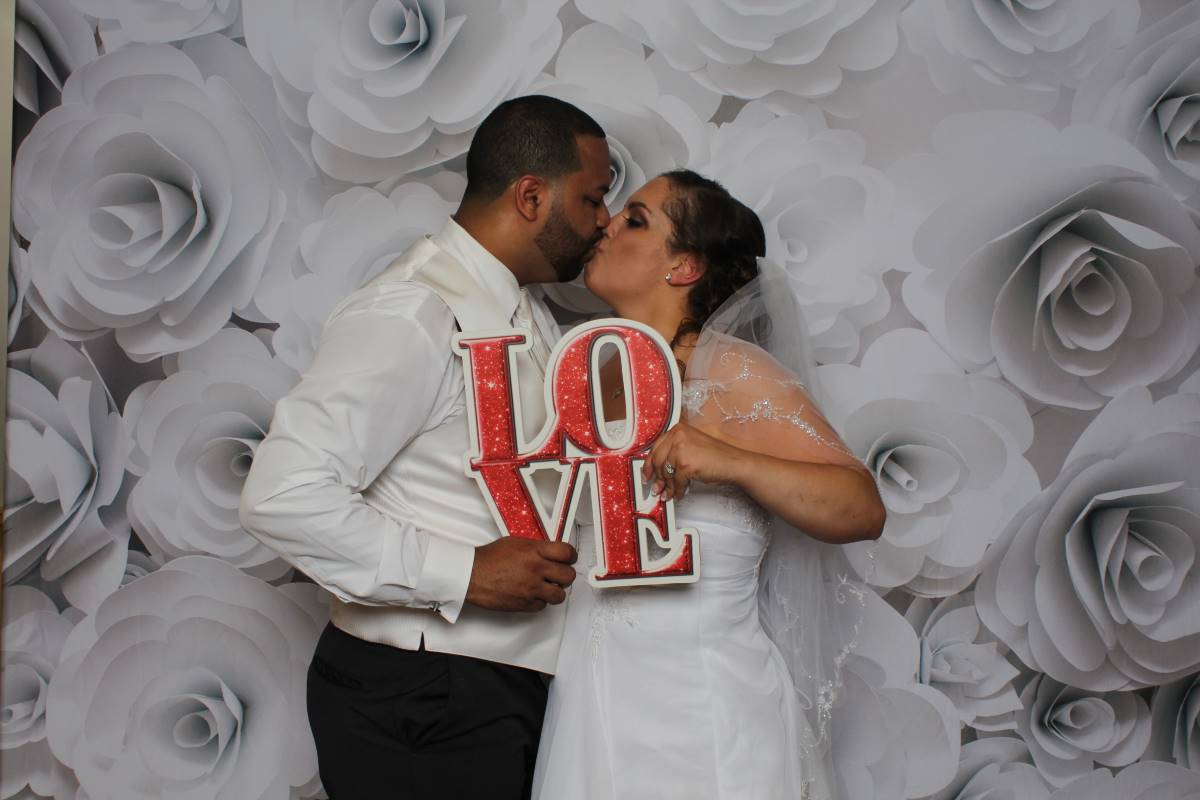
[(574, 442)]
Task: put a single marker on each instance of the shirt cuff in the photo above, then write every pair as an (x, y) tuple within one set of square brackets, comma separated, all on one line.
[(445, 576)]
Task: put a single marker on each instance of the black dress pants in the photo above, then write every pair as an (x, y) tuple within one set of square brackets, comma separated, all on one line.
[(395, 724)]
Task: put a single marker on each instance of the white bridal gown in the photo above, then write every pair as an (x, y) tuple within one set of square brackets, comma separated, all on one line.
[(674, 691), (677, 691)]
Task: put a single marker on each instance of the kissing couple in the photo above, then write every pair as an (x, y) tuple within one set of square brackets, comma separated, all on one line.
[(460, 663)]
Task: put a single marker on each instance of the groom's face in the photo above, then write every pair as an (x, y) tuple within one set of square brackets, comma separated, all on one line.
[(577, 217)]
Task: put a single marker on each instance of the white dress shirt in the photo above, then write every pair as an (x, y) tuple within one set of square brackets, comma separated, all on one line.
[(383, 375)]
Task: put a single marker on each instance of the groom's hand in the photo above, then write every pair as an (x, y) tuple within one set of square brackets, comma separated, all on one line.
[(512, 574)]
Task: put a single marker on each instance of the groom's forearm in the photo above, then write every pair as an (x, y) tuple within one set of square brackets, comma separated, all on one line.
[(352, 550), (359, 404)]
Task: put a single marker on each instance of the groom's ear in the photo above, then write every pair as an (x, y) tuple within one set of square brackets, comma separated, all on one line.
[(687, 270), (531, 195)]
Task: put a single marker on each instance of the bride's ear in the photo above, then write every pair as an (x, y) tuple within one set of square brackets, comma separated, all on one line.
[(686, 270), (530, 194)]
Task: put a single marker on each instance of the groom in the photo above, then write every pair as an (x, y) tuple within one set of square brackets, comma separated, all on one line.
[(429, 681)]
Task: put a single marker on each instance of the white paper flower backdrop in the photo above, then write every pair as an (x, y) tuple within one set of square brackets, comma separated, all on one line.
[(200, 671), (53, 39), (194, 435), (945, 447), (123, 21), (66, 485), (1001, 283), (824, 212), (376, 89), (1095, 580), (1147, 93), (752, 50), (993, 768), (1018, 54), (151, 202), (1057, 257), (358, 234), (34, 634)]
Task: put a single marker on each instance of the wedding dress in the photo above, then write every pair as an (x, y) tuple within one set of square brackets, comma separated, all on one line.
[(722, 688)]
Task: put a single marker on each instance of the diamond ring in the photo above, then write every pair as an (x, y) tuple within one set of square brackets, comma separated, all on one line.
[(669, 468)]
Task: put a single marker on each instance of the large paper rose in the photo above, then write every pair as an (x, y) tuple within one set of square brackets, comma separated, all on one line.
[(1055, 257), (190, 682), (779, 51), (125, 21), (1175, 712), (65, 487), (360, 232), (1148, 780), (378, 89), (1147, 93), (52, 40), (1017, 54), (945, 448), (993, 769), (892, 737), (150, 196), (823, 211), (1095, 581), (1068, 730), (34, 633), (195, 434), (963, 661)]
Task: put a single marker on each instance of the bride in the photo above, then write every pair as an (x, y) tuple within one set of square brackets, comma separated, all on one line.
[(723, 688)]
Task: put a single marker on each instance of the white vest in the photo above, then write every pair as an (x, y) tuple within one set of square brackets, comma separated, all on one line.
[(426, 485)]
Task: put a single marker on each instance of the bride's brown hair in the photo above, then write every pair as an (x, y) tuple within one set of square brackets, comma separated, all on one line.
[(715, 227)]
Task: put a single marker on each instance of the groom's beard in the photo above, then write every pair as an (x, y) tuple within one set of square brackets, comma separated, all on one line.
[(562, 246)]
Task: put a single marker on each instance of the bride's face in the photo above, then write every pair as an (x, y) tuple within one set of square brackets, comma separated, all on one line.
[(630, 262)]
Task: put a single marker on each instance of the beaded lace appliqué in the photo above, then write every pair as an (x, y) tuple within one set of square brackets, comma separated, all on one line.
[(611, 608), (697, 392)]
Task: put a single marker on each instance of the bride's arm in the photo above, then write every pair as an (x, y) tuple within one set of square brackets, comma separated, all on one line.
[(833, 502)]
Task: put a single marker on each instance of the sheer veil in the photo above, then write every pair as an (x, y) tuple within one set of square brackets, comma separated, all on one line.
[(753, 376)]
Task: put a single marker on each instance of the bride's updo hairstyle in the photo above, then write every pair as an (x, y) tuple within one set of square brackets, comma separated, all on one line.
[(710, 224)]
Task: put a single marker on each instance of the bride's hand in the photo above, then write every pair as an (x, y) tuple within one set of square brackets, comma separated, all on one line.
[(684, 454)]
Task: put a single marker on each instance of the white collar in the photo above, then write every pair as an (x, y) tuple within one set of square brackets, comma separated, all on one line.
[(484, 267)]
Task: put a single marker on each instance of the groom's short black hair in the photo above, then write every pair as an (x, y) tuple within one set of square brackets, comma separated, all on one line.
[(531, 135)]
